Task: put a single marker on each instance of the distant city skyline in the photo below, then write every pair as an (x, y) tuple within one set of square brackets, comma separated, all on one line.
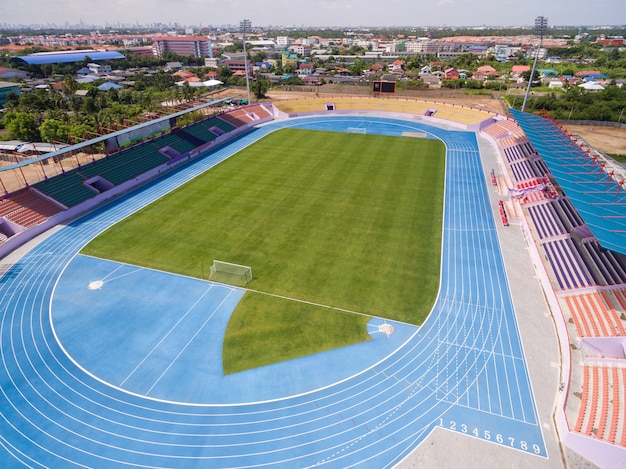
[(323, 13)]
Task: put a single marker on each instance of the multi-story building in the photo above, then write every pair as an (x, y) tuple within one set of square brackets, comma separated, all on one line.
[(238, 66), (197, 46), (283, 42), (505, 53), (300, 49), (289, 59), (211, 62), (422, 46), (449, 55)]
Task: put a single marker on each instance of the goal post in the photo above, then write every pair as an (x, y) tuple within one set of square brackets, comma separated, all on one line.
[(357, 130), (232, 274)]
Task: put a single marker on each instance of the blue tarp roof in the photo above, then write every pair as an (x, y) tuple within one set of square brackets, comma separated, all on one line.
[(598, 198), (67, 57)]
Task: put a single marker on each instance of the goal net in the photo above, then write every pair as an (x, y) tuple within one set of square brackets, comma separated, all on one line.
[(232, 274), (357, 130)]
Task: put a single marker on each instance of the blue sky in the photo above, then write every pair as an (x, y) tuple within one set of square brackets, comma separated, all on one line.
[(317, 12)]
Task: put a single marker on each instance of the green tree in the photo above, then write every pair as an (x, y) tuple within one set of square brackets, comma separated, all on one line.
[(54, 130), (258, 57), (259, 87), (35, 102), (293, 81), (46, 70), (78, 130), (70, 86), (147, 100), (22, 126), (465, 61), (535, 78), (224, 73), (236, 46), (357, 67), (13, 101), (89, 105), (473, 84), (500, 85), (188, 91)]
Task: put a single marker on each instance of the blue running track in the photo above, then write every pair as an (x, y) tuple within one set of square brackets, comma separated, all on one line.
[(463, 370)]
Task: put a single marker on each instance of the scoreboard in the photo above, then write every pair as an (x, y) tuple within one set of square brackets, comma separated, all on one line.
[(384, 86)]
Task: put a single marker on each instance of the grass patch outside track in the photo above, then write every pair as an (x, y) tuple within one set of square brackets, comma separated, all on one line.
[(348, 221)]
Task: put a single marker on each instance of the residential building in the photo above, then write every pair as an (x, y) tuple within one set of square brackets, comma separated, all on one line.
[(97, 68), (451, 74), (300, 49), (432, 80), (183, 75), (283, 42), (450, 55), (484, 72), (171, 66), (238, 66), (12, 73), (197, 46), (397, 66), (611, 41), (423, 46), (305, 69), (507, 53), (311, 80), (517, 70), (289, 59)]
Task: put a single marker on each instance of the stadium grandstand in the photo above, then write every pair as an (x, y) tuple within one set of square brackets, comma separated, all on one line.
[(569, 206), (572, 206)]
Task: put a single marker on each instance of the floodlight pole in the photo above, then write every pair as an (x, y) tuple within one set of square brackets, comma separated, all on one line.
[(245, 26), (541, 25)]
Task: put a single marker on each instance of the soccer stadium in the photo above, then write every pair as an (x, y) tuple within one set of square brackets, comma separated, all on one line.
[(479, 260)]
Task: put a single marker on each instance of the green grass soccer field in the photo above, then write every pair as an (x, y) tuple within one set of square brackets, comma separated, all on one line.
[(349, 222)]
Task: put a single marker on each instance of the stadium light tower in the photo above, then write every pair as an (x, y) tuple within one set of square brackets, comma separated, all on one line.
[(541, 26), (245, 26)]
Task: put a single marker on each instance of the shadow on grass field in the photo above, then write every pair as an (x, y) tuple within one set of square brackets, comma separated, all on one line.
[(351, 222)]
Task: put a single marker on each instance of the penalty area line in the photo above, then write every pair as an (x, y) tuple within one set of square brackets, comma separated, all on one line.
[(297, 300), (334, 308)]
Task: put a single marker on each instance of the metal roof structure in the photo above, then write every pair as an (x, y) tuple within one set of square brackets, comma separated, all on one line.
[(598, 197), (109, 85), (9, 84), (42, 58)]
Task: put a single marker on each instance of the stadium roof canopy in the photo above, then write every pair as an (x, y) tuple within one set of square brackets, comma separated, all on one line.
[(598, 198), (42, 58)]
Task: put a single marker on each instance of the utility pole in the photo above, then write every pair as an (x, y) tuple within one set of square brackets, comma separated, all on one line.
[(541, 25)]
